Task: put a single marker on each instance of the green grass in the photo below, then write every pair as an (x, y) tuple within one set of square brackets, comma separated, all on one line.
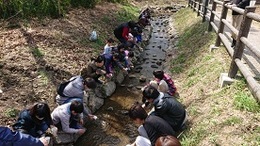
[(36, 52), (127, 13), (232, 121), (243, 101), (11, 112), (44, 77), (194, 136), (208, 104)]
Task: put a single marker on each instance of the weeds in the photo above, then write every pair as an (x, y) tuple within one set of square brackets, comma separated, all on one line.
[(243, 101), (127, 13), (36, 52), (39, 8), (232, 121), (44, 77), (11, 112)]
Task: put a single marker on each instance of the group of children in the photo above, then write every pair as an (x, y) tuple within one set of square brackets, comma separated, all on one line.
[(161, 125), (129, 34)]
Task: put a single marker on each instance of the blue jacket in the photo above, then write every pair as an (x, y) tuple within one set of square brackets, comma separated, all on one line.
[(26, 123), (10, 138)]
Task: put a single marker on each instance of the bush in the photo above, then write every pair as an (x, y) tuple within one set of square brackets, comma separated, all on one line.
[(31, 8)]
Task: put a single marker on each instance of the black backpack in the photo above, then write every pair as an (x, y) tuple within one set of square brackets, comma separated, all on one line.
[(62, 86)]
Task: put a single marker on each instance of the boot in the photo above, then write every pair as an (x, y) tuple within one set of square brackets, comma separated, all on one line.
[(233, 43)]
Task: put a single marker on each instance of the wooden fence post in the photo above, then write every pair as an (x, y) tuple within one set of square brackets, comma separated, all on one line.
[(205, 9), (212, 15), (189, 3), (198, 13), (195, 5), (239, 48), (221, 24)]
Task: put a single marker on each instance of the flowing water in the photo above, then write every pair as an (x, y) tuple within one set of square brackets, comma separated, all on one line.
[(113, 126)]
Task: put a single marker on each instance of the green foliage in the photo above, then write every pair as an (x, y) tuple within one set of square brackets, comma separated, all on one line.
[(44, 77), (84, 3), (243, 101), (117, 1), (127, 13), (195, 136), (11, 112), (232, 121), (36, 52), (31, 8)]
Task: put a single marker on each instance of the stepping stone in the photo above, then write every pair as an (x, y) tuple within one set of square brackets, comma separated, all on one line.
[(154, 66), (137, 71), (159, 63), (138, 67), (139, 87), (130, 86), (142, 79), (110, 108), (132, 76)]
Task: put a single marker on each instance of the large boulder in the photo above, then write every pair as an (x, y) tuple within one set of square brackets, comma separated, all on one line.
[(110, 88)]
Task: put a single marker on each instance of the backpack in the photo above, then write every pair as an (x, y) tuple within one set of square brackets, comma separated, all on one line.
[(62, 86)]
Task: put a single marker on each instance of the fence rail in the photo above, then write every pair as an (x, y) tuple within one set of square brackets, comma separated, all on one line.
[(241, 35)]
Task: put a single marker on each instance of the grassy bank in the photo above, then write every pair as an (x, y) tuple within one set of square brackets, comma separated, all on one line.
[(218, 116)]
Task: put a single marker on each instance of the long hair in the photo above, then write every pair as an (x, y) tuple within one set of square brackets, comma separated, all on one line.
[(40, 111)]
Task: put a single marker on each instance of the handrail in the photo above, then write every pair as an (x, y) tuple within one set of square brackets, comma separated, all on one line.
[(240, 35)]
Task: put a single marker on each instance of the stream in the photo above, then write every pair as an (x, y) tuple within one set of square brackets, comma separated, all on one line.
[(113, 126)]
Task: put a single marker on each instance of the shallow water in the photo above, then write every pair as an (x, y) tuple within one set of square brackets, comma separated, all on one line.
[(113, 126)]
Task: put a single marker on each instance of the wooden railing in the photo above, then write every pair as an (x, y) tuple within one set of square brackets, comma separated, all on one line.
[(242, 40)]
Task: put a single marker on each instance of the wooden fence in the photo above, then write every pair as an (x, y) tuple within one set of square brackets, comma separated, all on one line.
[(242, 41)]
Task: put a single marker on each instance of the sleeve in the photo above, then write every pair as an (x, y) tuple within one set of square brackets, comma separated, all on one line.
[(125, 33), (161, 108), (151, 132), (119, 64), (65, 123), (90, 72), (10, 138)]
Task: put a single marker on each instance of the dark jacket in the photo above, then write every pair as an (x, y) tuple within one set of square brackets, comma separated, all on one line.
[(241, 4), (121, 32), (156, 127), (170, 110), (90, 71), (15, 138), (29, 126)]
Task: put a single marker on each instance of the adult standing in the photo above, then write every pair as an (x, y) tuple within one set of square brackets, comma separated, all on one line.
[(236, 17)]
